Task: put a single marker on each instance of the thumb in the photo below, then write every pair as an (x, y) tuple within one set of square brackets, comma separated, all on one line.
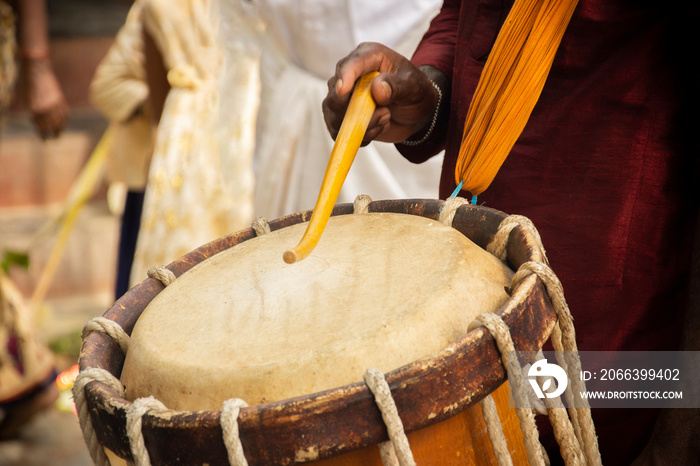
[(397, 89), (383, 89)]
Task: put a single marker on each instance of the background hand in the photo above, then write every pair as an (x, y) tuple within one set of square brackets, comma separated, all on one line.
[(45, 99)]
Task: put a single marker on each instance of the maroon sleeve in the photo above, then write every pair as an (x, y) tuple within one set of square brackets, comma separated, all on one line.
[(437, 48)]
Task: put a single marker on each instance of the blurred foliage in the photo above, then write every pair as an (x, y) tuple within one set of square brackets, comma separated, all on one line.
[(14, 258), (67, 345)]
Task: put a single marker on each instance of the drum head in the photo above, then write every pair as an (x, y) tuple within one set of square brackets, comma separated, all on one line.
[(380, 290)]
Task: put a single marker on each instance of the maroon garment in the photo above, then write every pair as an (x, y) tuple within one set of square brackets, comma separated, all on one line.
[(604, 168)]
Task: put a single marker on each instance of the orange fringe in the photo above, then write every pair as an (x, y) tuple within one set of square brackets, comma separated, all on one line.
[(510, 84)]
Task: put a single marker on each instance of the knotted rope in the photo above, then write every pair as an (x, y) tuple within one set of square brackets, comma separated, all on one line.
[(396, 450), (361, 204), (494, 429), (575, 435), (260, 226), (134, 417), (165, 276), (500, 332), (86, 376), (109, 327), (498, 246), (449, 209), (564, 343), (229, 426), (117, 333)]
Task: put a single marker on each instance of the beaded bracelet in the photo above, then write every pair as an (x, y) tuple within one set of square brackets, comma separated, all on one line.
[(406, 142)]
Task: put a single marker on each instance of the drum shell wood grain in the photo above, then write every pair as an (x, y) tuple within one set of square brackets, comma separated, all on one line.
[(426, 392)]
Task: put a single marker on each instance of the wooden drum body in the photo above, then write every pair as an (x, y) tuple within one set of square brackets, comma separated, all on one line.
[(333, 419)]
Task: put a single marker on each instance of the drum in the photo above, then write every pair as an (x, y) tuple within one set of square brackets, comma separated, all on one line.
[(392, 289)]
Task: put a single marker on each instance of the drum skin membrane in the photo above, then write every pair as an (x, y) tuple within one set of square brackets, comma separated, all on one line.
[(380, 290)]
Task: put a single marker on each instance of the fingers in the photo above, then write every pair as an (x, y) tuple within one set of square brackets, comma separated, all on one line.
[(406, 86), (334, 107), (334, 112), (367, 57), (49, 124), (378, 125), (405, 96), (45, 99)]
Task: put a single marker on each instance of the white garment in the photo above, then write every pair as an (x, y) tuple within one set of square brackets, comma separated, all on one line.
[(118, 89), (303, 42), (200, 181)]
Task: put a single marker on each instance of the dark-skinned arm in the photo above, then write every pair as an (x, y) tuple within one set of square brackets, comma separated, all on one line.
[(43, 93)]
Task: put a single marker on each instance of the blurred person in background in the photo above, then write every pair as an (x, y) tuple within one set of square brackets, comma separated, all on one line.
[(120, 92), (24, 35), (27, 372), (190, 68)]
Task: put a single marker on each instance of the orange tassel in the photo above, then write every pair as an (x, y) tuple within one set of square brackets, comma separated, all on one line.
[(509, 86)]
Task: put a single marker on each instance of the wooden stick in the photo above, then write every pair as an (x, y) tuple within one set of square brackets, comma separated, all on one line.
[(347, 143)]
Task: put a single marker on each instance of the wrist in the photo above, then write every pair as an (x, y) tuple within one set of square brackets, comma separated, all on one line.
[(433, 122), (440, 112), (34, 54)]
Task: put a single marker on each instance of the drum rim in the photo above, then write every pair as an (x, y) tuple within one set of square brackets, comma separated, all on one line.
[(300, 424)]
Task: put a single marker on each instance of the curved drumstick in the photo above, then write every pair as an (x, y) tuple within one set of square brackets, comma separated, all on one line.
[(348, 141)]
